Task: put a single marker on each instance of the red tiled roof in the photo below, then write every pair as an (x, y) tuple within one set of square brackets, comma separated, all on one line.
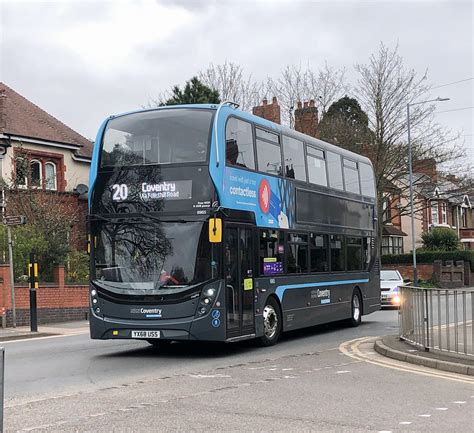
[(21, 117)]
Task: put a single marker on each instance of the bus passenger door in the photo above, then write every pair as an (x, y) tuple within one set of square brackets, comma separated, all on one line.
[(239, 275)]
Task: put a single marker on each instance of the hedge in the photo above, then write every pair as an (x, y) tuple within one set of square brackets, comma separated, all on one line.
[(430, 257)]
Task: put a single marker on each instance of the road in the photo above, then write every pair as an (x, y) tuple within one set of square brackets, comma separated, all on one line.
[(326, 378)]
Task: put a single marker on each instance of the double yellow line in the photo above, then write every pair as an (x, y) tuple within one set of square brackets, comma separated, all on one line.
[(352, 349)]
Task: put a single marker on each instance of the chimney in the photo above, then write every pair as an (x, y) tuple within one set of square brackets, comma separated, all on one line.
[(306, 118), (426, 166), (268, 111)]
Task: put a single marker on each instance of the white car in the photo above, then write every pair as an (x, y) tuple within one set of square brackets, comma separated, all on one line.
[(390, 281)]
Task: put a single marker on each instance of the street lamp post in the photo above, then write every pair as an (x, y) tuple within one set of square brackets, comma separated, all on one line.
[(410, 171)]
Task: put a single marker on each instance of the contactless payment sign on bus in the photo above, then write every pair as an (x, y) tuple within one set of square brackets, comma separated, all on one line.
[(261, 194)]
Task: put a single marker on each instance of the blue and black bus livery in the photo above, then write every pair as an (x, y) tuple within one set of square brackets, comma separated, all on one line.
[(297, 241)]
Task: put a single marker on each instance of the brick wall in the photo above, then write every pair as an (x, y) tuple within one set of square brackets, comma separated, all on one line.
[(424, 271), (56, 302)]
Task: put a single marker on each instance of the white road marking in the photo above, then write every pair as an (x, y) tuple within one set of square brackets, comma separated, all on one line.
[(287, 369), (459, 402), (208, 376), (384, 431), (342, 371), (290, 377), (441, 408), (272, 369), (405, 423), (425, 415)]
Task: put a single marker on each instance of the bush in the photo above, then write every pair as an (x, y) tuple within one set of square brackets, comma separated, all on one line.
[(440, 239), (78, 267), (26, 239), (430, 257)]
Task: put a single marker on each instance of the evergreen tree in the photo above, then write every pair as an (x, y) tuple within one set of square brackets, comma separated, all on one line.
[(194, 92), (346, 125)]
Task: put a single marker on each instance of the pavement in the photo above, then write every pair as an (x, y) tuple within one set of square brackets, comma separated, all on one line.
[(392, 347), (53, 329)]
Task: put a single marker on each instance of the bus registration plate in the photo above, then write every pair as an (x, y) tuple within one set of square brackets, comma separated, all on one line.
[(145, 334)]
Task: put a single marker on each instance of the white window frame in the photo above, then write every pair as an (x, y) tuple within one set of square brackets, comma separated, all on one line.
[(35, 161), (444, 213), (434, 212), (25, 177), (54, 177)]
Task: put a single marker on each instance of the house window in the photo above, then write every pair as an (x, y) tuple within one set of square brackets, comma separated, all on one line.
[(39, 170), (386, 209), (443, 213), (464, 217), (36, 173), (21, 171), (50, 175), (392, 245), (434, 213)]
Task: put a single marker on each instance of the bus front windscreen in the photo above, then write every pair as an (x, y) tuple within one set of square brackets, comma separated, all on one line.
[(166, 136), (164, 256)]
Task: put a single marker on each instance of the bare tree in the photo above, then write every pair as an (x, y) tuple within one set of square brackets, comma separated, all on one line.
[(296, 83), (233, 84), (384, 89)]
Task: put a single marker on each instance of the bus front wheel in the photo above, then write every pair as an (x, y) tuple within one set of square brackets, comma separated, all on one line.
[(356, 309), (272, 323)]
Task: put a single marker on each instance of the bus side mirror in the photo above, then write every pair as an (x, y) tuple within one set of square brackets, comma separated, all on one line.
[(215, 230)]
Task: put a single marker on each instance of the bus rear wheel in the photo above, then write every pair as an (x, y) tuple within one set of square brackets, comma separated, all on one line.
[(356, 309), (272, 323)]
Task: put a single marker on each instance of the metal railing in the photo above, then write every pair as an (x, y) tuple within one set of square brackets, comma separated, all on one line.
[(438, 319)]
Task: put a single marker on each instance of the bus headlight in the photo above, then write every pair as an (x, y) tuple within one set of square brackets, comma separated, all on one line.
[(206, 301)]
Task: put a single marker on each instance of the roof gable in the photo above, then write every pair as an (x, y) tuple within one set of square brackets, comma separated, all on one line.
[(19, 116)]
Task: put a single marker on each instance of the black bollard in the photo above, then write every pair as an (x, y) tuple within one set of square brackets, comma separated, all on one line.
[(33, 286)]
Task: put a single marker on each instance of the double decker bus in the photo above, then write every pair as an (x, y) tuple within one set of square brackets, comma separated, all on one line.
[(209, 223)]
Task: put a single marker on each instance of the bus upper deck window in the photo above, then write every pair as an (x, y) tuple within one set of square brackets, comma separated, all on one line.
[(239, 144)]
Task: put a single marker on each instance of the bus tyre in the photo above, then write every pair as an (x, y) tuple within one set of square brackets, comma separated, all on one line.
[(356, 309), (272, 323)]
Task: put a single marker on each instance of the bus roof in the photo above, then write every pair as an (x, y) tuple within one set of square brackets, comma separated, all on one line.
[(263, 122)]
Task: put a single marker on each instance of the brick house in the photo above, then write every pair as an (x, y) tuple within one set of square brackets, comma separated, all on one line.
[(43, 153)]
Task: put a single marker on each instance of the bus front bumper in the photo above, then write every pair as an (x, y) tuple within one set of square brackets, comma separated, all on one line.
[(187, 328)]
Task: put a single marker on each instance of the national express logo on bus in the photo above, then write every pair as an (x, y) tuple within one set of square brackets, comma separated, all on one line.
[(271, 199)]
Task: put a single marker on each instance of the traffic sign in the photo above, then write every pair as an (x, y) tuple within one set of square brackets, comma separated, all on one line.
[(14, 220)]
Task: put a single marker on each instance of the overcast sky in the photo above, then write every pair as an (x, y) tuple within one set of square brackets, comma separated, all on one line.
[(84, 60)]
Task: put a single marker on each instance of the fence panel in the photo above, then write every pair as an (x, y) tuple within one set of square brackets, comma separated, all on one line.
[(437, 319)]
